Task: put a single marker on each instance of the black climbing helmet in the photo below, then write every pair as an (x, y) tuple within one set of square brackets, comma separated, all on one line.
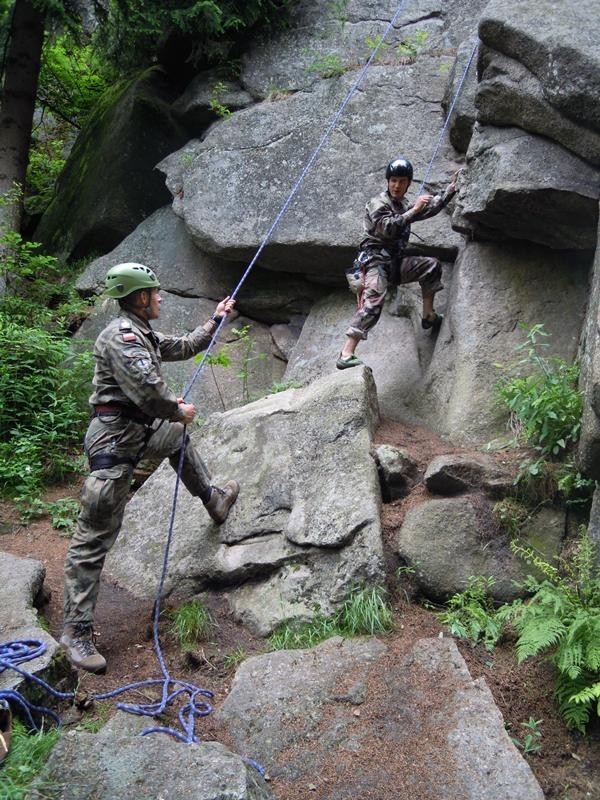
[(399, 168)]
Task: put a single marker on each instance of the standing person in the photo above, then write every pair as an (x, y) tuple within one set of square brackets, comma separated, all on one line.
[(134, 414), (381, 261)]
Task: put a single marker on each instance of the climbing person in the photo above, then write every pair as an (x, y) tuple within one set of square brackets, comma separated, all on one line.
[(134, 413), (381, 260)]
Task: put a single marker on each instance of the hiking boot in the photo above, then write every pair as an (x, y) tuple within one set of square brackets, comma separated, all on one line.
[(78, 642), (5, 729), (345, 363), (221, 501)]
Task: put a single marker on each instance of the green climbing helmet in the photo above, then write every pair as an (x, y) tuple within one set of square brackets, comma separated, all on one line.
[(123, 279)]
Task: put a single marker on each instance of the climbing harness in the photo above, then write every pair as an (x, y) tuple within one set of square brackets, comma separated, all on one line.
[(12, 654)]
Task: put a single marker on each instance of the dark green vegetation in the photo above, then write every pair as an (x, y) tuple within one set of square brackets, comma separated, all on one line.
[(560, 618)]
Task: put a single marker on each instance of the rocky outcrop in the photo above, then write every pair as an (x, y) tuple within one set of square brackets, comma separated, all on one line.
[(449, 541), (256, 155), (109, 185), (397, 471), (512, 193), (510, 95), (456, 473), (163, 243), (118, 764), (21, 591), (495, 290), (365, 704), (296, 540), (209, 96), (589, 442), (558, 43), (325, 37)]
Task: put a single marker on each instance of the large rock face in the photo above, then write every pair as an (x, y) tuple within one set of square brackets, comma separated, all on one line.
[(527, 187), (557, 41), (370, 713), (495, 289), (589, 444), (325, 36), (510, 95), (256, 155), (296, 539), (162, 242), (109, 185)]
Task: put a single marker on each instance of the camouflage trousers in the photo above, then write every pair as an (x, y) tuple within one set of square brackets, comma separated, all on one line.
[(105, 494), (373, 284)]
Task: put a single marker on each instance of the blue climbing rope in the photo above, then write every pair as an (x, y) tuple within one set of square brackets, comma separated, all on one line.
[(448, 116), (14, 653)]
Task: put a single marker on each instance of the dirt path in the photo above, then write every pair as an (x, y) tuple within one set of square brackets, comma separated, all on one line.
[(567, 766)]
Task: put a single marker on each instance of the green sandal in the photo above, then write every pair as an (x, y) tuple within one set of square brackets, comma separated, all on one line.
[(434, 321), (345, 363)]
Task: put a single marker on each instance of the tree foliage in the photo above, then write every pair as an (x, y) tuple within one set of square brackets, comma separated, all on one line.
[(133, 31)]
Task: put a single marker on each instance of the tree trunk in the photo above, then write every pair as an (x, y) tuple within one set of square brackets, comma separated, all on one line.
[(21, 71)]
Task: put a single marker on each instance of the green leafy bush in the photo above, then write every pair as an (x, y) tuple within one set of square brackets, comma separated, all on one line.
[(470, 614), (562, 619), (43, 388), (364, 612), (545, 405)]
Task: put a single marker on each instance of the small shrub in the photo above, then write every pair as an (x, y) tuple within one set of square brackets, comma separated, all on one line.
[(412, 45), (215, 104), (63, 515), (470, 614), (545, 405), (28, 754), (530, 743), (330, 66), (190, 624), (511, 514)]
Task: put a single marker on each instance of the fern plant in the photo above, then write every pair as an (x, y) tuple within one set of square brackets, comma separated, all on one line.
[(470, 614), (562, 618)]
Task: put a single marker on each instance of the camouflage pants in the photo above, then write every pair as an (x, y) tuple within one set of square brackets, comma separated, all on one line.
[(105, 494), (374, 285)]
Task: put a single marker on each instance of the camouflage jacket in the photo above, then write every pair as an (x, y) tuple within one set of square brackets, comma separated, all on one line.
[(129, 355), (387, 221)]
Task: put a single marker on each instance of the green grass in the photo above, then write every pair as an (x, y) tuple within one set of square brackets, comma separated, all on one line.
[(234, 659), (96, 719), (190, 623), (27, 756), (364, 612)]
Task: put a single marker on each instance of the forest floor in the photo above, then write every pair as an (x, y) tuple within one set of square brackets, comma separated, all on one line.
[(567, 764)]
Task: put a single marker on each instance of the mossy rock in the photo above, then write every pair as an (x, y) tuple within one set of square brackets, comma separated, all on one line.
[(109, 184)]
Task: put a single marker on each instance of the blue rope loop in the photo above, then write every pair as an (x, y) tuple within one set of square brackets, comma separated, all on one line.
[(18, 652), (14, 653)]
